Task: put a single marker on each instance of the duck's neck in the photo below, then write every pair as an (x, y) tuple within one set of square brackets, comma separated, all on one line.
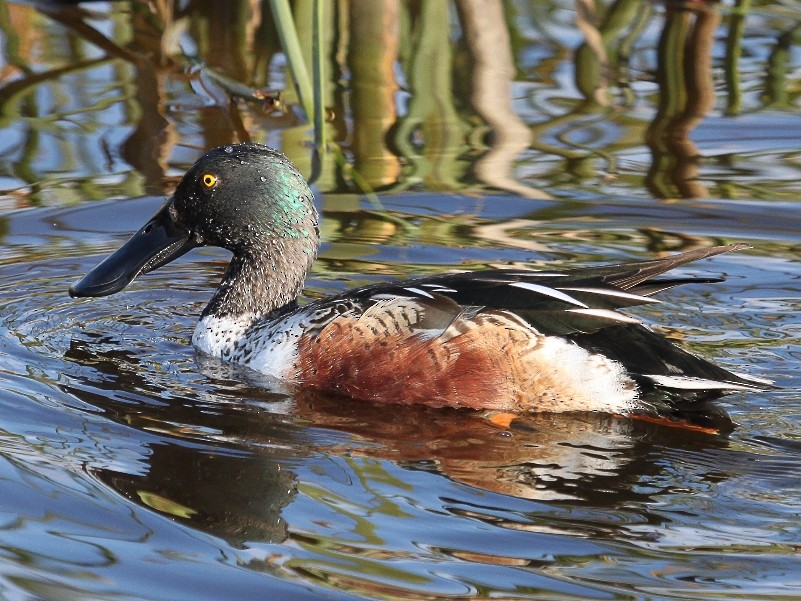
[(257, 284)]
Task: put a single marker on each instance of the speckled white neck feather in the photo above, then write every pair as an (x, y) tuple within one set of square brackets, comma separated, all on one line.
[(218, 336), (271, 349)]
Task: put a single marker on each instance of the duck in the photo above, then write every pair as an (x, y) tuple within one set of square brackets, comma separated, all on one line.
[(507, 341)]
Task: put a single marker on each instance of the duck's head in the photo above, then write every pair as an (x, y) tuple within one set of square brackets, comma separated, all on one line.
[(246, 198)]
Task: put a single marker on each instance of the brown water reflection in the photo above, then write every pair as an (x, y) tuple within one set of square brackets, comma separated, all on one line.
[(116, 97)]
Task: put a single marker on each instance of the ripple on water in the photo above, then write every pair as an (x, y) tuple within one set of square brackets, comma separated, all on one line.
[(119, 446)]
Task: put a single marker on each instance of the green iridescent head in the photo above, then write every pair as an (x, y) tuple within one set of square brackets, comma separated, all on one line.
[(247, 198), (237, 196)]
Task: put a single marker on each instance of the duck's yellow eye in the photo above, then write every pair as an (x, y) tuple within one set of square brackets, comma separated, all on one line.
[(209, 180)]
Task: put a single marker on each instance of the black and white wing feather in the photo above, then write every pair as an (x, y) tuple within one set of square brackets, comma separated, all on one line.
[(583, 305)]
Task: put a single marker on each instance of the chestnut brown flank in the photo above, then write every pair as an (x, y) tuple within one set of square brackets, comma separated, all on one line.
[(478, 368), (487, 361), (431, 352)]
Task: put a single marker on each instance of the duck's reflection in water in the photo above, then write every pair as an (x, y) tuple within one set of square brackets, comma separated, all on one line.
[(235, 480)]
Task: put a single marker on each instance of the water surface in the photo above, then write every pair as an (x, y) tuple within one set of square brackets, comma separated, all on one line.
[(134, 469), (130, 463)]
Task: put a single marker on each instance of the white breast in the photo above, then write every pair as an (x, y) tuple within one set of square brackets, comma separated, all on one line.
[(271, 349), (217, 336)]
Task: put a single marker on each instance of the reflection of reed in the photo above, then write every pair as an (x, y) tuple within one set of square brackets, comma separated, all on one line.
[(488, 38), (600, 61), (734, 41), (603, 57), (148, 146), (686, 95), (373, 50), (431, 108), (594, 43), (779, 66), (414, 91)]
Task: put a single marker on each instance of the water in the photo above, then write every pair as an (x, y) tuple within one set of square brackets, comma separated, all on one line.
[(133, 469)]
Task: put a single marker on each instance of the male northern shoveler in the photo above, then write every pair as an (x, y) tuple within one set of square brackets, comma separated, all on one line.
[(504, 340)]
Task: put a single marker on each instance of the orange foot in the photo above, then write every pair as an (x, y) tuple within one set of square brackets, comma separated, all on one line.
[(671, 423), (500, 419)]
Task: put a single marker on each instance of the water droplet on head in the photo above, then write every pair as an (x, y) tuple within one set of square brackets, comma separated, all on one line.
[(228, 149), (262, 178)]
